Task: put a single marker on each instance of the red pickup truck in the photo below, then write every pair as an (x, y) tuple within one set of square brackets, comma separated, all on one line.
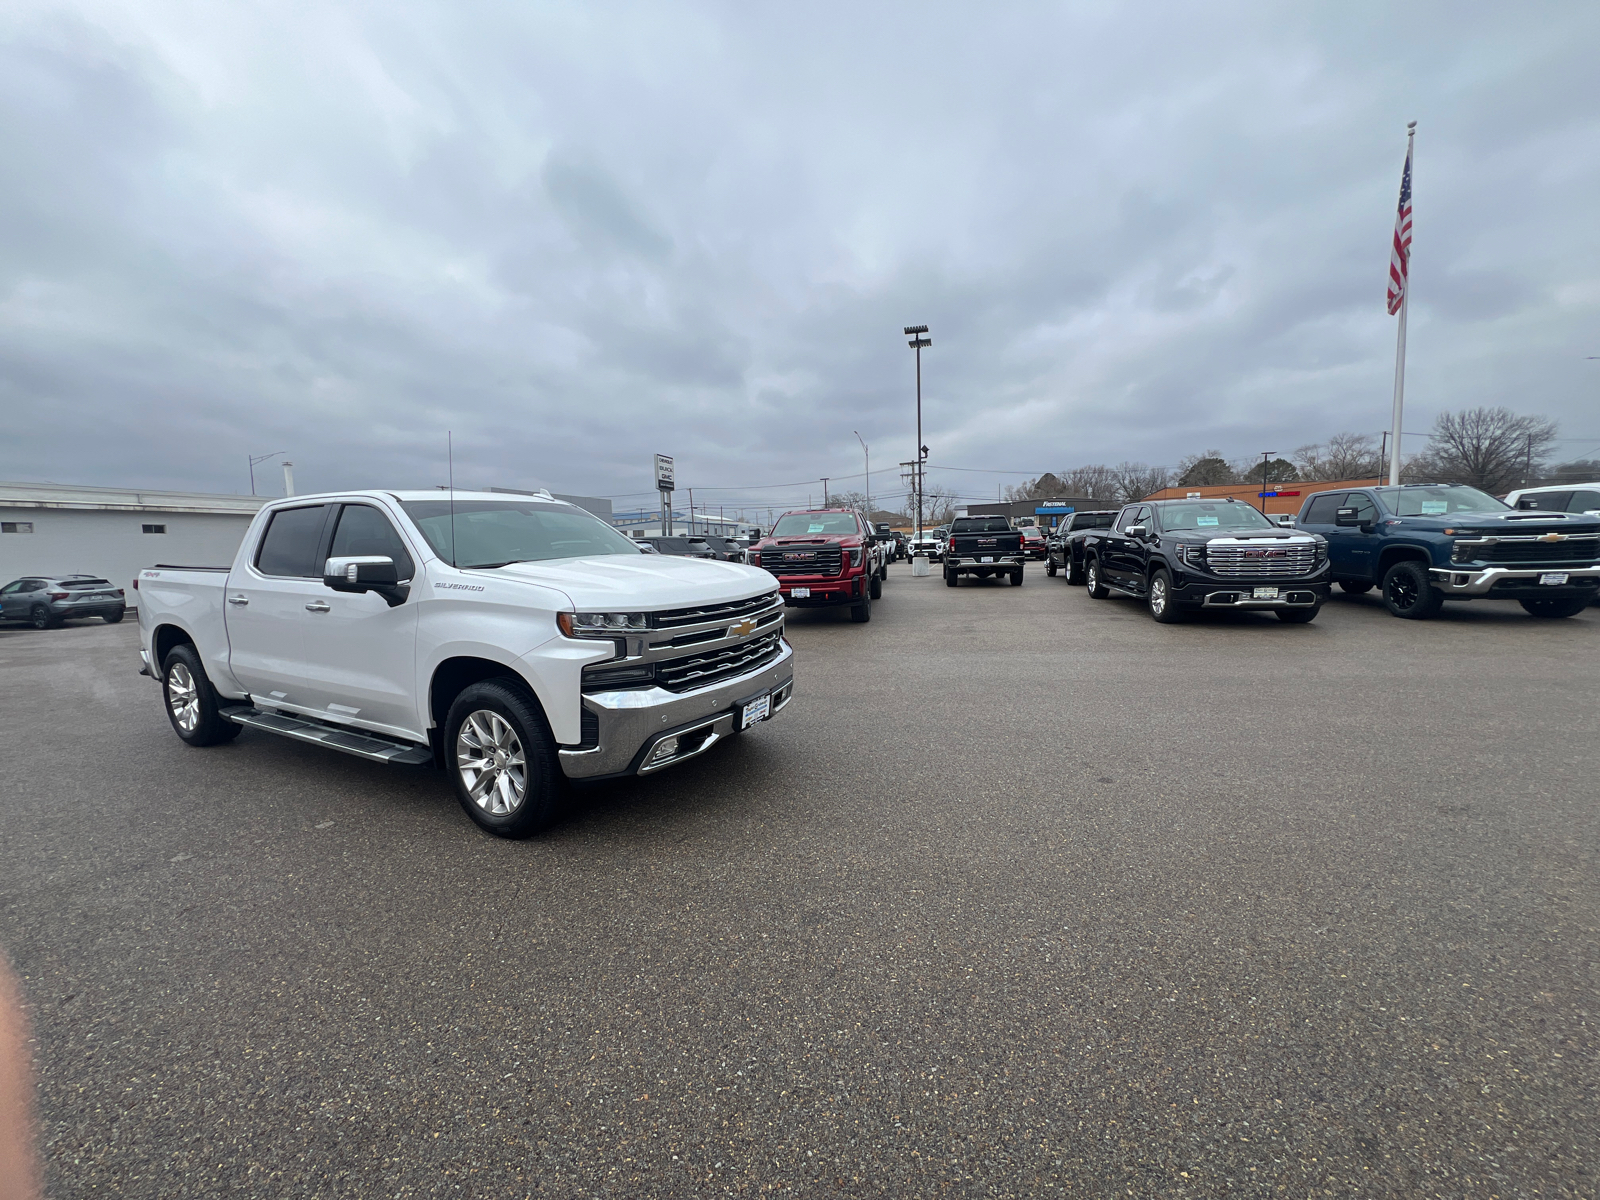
[(824, 557)]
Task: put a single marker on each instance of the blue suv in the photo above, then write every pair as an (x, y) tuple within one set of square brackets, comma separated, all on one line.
[(1427, 543)]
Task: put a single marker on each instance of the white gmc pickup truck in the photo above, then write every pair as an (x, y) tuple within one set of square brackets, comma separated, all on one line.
[(515, 641)]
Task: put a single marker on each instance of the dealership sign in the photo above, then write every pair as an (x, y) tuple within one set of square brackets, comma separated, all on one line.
[(665, 481)]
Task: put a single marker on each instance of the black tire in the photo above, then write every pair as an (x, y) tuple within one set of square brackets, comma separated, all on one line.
[(1015, 577), (1355, 587), (950, 578), (191, 701), (1091, 580), (499, 713), (1409, 593), (1300, 616), (875, 588), (861, 613), (1050, 567), (42, 618), (112, 618), (1158, 598), (1074, 573), (1570, 606)]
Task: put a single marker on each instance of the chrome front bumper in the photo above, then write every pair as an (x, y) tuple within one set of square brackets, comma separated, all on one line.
[(634, 722), (1476, 581), (1241, 598)]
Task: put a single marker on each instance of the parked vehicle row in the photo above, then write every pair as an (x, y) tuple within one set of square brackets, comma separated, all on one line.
[(517, 643), (1421, 545)]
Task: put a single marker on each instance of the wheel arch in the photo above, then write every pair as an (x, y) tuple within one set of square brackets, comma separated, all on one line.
[(1406, 552), (163, 638), (452, 676)]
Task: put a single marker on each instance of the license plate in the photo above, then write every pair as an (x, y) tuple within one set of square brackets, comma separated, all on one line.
[(989, 558), (1553, 577), (800, 593), (756, 710), (1265, 594)]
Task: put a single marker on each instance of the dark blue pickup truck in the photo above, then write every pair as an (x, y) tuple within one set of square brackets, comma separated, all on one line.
[(1424, 544)]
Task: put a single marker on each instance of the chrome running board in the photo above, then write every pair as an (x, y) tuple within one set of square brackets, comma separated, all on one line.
[(362, 745)]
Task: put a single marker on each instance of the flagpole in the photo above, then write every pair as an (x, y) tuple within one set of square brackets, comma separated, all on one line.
[(1400, 343)]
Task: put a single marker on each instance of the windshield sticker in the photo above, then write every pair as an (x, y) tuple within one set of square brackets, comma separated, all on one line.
[(1205, 520), (1433, 508), (815, 528)]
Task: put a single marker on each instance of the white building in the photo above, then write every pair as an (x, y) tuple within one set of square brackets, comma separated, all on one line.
[(62, 529)]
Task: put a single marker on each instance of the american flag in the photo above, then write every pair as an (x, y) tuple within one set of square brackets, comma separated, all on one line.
[(1400, 255)]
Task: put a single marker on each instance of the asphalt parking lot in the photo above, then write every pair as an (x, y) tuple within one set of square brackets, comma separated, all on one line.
[(1023, 895)]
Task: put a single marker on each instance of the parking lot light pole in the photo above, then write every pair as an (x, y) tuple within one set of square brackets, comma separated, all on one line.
[(868, 486), (1265, 455), (256, 460), (919, 339)]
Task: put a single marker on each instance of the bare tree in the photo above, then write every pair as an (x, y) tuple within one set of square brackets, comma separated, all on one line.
[(1095, 482), (1205, 470), (938, 505), (1343, 456), (1584, 470), (1135, 481), (1278, 470), (855, 500), (1490, 448)]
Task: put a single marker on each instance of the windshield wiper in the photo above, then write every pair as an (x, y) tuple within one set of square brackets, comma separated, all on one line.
[(492, 566)]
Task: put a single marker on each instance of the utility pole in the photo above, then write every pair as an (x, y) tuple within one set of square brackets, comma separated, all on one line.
[(868, 456), (919, 339), (824, 491), (1265, 455), (691, 512), (1527, 468)]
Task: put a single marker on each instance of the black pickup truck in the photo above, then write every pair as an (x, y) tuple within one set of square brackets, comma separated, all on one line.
[(1065, 551), (983, 546), (1179, 555)]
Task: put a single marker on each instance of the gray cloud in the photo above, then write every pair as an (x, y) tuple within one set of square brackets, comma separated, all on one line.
[(574, 236)]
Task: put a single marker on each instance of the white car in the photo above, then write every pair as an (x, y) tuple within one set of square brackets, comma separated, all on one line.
[(1563, 497), (929, 543), (515, 641)]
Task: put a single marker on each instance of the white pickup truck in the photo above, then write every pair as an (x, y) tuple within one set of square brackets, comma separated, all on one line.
[(517, 642)]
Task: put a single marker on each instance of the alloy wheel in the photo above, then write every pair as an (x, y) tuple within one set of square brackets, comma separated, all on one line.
[(183, 697), (1402, 592), (1158, 595), (492, 763)]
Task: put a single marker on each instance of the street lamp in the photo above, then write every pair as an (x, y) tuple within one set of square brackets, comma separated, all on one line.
[(1265, 455), (866, 455), (919, 339), (256, 459)]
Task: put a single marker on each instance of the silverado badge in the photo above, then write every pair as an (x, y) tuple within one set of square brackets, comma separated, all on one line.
[(742, 628)]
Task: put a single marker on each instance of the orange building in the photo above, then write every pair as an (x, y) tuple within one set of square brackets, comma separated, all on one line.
[(1279, 498)]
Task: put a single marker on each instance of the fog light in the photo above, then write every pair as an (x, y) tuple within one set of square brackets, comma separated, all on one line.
[(1459, 580), (664, 750)]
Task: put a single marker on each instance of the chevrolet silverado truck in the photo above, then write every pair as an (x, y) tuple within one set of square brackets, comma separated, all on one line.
[(984, 546), (1066, 547), (516, 643), (1184, 555), (1424, 544), (825, 557)]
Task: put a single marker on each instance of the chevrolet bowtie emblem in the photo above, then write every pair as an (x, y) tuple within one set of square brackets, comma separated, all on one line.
[(1553, 537), (741, 628)]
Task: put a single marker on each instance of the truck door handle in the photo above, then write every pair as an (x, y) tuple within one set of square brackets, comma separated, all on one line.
[(239, 600), (317, 606)]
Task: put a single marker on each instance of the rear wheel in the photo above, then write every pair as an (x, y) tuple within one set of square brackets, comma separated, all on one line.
[(1016, 577), (1159, 598), (1050, 567), (1091, 580), (1355, 587), (1074, 571), (503, 760), (191, 700), (1569, 607), (950, 577), (111, 618), (1409, 593), (1299, 616)]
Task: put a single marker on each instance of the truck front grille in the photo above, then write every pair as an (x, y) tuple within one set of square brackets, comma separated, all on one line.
[(677, 617), (802, 560), (1265, 562), (1531, 550), (701, 670)]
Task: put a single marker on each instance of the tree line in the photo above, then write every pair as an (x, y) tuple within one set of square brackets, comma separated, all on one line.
[(1490, 448)]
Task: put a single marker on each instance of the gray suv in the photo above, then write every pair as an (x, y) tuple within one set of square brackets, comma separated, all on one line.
[(46, 600)]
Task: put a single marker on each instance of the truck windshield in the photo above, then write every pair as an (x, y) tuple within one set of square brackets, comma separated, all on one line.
[(1437, 501), (492, 533), (1200, 514), (803, 524), (980, 525)]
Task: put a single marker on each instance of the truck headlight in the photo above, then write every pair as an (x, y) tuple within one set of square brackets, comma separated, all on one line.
[(590, 625), (1193, 555), (855, 556)]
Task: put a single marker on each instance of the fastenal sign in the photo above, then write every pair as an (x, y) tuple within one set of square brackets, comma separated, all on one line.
[(664, 474)]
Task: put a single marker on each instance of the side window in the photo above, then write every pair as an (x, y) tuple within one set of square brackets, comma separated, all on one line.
[(1584, 502), (1324, 508), (13, 586), (363, 530), (289, 547), (1366, 510), (1127, 518)]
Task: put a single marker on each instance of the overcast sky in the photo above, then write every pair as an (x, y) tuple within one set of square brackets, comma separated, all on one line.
[(579, 234)]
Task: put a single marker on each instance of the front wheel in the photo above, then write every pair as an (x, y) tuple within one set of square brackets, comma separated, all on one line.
[(503, 760), (1091, 580), (875, 588), (861, 613), (1050, 567), (191, 700), (1553, 609), (1409, 593), (40, 617), (1299, 616), (1160, 600)]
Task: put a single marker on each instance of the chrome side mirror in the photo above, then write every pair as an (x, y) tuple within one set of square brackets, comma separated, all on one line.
[(366, 573)]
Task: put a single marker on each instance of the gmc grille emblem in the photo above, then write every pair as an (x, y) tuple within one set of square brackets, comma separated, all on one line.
[(796, 557), (742, 628)]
